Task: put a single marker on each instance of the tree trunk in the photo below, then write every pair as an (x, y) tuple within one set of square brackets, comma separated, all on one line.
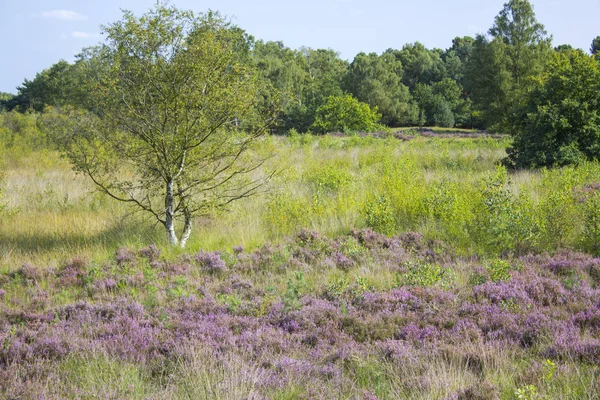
[(169, 214), (187, 231)]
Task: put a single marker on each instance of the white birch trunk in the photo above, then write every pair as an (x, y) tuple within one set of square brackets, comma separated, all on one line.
[(187, 231), (169, 215)]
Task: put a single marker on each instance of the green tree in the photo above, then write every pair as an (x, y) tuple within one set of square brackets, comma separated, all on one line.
[(420, 65), (376, 80), (560, 123), (304, 78), (174, 119), (456, 57), (56, 86), (345, 113), (285, 70), (563, 47), (5, 99), (443, 103), (595, 48), (500, 66), (325, 72)]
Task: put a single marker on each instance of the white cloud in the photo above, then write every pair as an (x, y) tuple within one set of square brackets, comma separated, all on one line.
[(65, 15), (84, 35)]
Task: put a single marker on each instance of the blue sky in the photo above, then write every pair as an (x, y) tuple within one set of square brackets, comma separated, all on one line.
[(38, 33)]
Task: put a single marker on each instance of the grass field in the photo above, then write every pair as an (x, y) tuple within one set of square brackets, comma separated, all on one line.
[(372, 267)]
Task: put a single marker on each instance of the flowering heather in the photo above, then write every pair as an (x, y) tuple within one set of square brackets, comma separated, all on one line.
[(211, 262), (152, 253), (300, 327), (125, 256)]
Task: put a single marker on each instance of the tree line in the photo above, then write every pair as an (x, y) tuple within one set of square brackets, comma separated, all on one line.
[(491, 81)]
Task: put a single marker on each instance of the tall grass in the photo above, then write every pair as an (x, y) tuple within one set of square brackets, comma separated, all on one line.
[(446, 188)]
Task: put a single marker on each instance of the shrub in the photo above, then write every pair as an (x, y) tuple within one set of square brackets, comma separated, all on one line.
[(345, 113), (425, 274), (499, 270), (508, 224), (560, 122), (379, 215)]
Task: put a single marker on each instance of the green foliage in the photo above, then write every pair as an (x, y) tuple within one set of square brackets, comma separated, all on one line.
[(499, 68), (528, 392), (345, 114), (508, 224), (6, 100), (304, 79), (595, 47), (58, 85), (337, 286), (287, 213), (328, 177), (456, 58), (379, 215), (20, 134), (443, 116), (176, 113), (296, 288), (231, 301), (2, 203), (420, 64), (560, 122), (591, 224), (376, 80), (425, 274), (499, 270)]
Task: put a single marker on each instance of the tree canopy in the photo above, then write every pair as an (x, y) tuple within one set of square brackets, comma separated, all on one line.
[(174, 120), (501, 64), (560, 123)]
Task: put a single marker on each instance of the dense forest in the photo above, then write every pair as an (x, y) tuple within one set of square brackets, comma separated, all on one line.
[(510, 80)]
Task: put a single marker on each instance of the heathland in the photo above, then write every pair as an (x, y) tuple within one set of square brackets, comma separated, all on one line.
[(404, 265), (187, 212)]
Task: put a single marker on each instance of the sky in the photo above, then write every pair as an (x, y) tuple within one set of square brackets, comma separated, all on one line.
[(39, 33)]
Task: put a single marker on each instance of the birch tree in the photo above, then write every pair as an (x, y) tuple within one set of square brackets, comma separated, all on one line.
[(172, 125)]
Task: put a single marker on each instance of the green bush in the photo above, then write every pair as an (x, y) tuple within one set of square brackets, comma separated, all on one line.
[(379, 215), (345, 114), (560, 122), (425, 274), (508, 225)]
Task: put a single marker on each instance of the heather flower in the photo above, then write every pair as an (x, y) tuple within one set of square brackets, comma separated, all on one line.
[(124, 256), (73, 272), (341, 261), (178, 268), (152, 253), (368, 238), (369, 395), (211, 262), (29, 273), (412, 332), (238, 249), (396, 350), (307, 237), (40, 299), (110, 284)]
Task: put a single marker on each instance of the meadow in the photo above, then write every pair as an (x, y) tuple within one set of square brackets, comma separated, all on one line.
[(392, 265)]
